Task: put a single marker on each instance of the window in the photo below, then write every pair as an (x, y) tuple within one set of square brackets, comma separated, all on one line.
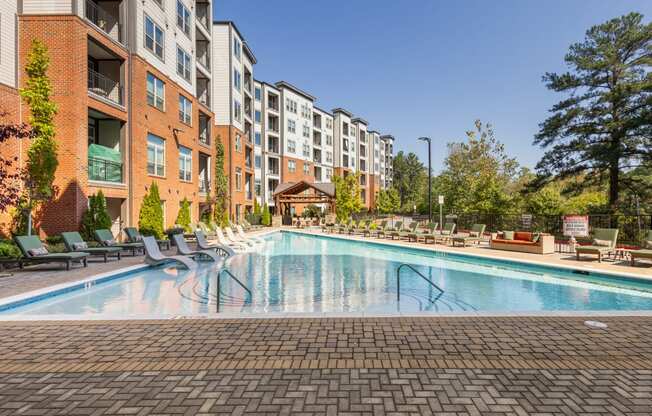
[(291, 105), (292, 146), (257, 161), (292, 126), (183, 63), (329, 140), (155, 155), (257, 187), (345, 129), (306, 150), (155, 92), (306, 131), (257, 116), (154, 37), (185, 164), (257, 94), (329, 173), (306, 168), (353, 131), (292, 166), (329, 123), (257, 138), (238, 143), (237, 48), (238, 179), (183, 18), (237, 79), (185, 109), (329, 157), (237, 110)]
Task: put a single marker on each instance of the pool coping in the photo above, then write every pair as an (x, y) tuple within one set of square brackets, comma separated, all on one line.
[(118, 273)]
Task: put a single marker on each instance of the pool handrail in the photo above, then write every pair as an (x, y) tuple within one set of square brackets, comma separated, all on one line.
[(398, 281), (219, 275)]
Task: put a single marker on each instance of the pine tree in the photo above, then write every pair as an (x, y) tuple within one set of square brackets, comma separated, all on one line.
[(183, 218), (96, 216), (266, 216), (257, 211), (150, 221)]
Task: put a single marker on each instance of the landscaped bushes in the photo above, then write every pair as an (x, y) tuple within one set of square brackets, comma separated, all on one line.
[(96, 216), (150, 219)]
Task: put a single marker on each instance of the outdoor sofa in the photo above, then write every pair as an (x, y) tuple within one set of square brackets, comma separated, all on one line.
[(524, 242)]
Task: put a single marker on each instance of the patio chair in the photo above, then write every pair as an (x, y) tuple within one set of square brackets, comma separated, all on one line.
[(363, 228), (106, 239), (344, 226), (426, 234), (445, 234), (154, 257), (34, 252), (379, 228), (232, 237), (384, 230), (209, 231), (356, 227), (604, 242), (238, 229), (185, 250), (237, 247), (474, 236), (75, 243), (134, 236), (396, 230), (410, 230), (203, 244)]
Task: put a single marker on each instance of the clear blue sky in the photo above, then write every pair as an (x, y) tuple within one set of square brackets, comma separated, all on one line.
[(424, 67)]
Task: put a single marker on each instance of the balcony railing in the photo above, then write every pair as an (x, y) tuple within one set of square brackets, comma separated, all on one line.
[(108, 23), (202, 12), (204, 59), (104, 170), (105, 87), (273, 171), (204, 185)]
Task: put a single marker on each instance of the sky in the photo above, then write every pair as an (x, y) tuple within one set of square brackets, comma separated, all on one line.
[(415, 68)]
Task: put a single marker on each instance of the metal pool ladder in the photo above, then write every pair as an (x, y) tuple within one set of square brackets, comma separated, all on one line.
[(398, 281), (219, 277)]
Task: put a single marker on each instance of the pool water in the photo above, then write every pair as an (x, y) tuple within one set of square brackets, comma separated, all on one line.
[(298, 273)]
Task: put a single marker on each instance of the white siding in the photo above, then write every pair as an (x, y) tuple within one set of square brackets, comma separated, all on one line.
[(45, 6), (8, 11), (221, 66)]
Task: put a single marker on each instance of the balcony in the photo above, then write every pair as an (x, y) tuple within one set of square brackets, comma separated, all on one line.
[(203, 89), (204, 173), (316, 138), (272, 102), (204, 129), (272, 145), (105, 160), (105, 70), (102, 170), (105, 15), (316, 156), (105, 87), (273, 124), (273, 166)]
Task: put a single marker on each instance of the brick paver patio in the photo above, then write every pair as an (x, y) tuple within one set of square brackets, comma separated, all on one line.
[(461, 366)]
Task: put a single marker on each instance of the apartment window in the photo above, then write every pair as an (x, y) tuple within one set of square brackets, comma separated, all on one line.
[(329, 140), (257, 116), (306, 150), (237, 79), (329, 157), (154, 37), (155, 155), (237, 48), (345, 128), (329, 123), (292, 166), (257, 138), (292, 126), (257, 94), (238, 179), (185, 164), (306, 168), (292, 146), (183, 63), (306, 131), (238, 143), (353, 131), (185, 109), (155, 92), (237, 110), (257, 187), (291, 105), (257, 161), (183, 17), (329, 173)]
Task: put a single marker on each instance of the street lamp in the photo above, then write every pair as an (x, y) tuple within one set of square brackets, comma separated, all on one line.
[(427, 139)]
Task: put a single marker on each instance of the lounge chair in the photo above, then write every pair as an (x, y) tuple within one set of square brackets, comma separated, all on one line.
[(426, 234), (474, 236), (134, 236), (410, 230), (344, 226), (604, 242), (237, 247), (241, 233), (445, 234), (185, 250), (383, 230), (365, 229), (232, 237), (75, 243), (209, 231), (34, 252), (379, 229), (154, 257), (203, 244), (356, 227), (396, 230), (106, 239)]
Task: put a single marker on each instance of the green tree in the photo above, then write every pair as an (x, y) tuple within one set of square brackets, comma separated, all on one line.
[(42, 159), (478, 174), (388, 201), (150, 219), (221, 211), (409, 178), (257, 210), (546, 201), (183, 217), (96, 216), (347, 195), (266, 216), (604, 125)]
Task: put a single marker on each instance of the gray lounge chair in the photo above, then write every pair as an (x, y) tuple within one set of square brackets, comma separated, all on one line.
[(154, 257), (106, 239), (475, 236), (445, 234), (76, 244), (604, 242), (645, 252), (412, 228), (383, 230), (427, 234), (396, 230), (185, 250), (379, 229), (203, 244), (28, 244)]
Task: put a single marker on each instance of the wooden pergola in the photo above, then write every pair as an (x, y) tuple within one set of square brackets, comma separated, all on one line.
[(304, 193)]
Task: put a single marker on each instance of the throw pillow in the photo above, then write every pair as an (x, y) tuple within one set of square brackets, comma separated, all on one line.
[(508, 235), (647, 244), (474, 234), (601, 243), (138, 238), (41, 251), (79, 246), (109, 242), (445, 232)]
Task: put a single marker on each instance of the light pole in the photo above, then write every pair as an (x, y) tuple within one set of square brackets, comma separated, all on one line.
[(427, 139)]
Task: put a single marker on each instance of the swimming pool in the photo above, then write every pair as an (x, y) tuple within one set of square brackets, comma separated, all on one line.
[(297, 273)]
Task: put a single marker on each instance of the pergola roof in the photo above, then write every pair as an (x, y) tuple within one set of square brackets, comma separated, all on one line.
[(294, 188)]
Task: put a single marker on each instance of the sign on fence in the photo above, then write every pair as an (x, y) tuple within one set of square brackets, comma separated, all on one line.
[(576, 225), (526, 221)]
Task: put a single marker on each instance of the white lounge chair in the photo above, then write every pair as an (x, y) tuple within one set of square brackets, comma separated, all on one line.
[(242, 234), (185, 250), (203, 244), (237, 247), (154, 257), (233, 238)]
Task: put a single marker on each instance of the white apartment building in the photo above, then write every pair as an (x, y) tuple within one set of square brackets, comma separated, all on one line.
[(344, 138), (323, 144), (388, 141)]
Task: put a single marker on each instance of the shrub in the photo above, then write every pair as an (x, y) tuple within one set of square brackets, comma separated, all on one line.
[(266, 217), (257, 210), (150, 220), (96, 216), (183, 218), (9, 250), (311, 211)]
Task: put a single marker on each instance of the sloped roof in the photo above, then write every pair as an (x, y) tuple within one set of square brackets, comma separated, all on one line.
[(326, 188)]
